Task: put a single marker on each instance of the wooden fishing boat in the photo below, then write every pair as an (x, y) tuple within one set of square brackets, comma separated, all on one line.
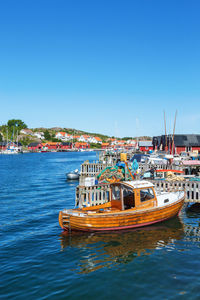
[(131, 204)]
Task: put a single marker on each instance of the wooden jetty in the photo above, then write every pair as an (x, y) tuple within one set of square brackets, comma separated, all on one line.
[(93, 169), (99, 194)]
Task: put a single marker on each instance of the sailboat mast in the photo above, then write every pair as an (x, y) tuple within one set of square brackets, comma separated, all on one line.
[(7, 139), (165, 133), (174, 133)]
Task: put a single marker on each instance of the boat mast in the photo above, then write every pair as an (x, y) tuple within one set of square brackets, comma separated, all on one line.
[(165, 133), (174, 133), (17, 141), (7, 139)]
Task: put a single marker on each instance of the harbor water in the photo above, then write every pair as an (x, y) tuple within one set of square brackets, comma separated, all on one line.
[(39, 262)]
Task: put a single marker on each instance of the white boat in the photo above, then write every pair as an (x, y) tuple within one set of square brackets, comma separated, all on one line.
[(73, 175), (11, 150)]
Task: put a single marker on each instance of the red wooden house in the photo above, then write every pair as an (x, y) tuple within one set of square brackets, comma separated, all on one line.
[(105, 145), (35, 147), (145, 146), (51, 146), (65, 146), (79, 145), (181, 143)]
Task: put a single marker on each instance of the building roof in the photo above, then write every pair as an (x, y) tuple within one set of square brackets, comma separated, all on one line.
[(98, 138), (66, 144), (26, 130), (50, 143), (105, 144), (61, 132), (80, 144), (145, 144), (33, 144), (180, 140), (187, 140)]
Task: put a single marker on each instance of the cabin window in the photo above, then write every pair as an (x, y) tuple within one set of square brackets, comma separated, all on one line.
[(129, 198), (116, 192), (146, 194)]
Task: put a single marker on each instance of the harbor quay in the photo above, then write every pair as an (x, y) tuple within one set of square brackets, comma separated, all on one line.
[(173, 174)]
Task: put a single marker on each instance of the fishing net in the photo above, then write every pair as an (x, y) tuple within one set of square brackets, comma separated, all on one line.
[(112, 175)]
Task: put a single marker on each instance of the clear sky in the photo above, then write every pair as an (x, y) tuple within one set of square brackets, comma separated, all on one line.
[(102, 66)]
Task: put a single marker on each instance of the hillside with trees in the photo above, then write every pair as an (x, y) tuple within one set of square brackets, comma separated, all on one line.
[(11, 131)]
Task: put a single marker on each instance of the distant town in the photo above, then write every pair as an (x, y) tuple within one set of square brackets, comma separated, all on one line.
[(16, 136), (61, 139)]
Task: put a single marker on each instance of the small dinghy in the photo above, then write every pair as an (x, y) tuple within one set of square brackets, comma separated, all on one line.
[(73, 175)]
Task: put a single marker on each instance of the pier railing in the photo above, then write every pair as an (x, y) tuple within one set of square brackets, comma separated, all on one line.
[(191, 188), (99, 194), (146, 167), (93, 169), (90, 196)]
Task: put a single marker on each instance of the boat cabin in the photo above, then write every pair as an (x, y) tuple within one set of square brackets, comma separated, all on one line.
[(130, 195)]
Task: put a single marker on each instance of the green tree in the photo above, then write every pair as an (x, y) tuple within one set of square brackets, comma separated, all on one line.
[(18, 124), (1, 137), (47, 135)]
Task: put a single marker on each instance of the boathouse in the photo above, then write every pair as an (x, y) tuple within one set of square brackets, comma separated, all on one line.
[(105, 145), (35, 146), (145, 146), (51, 145), (65, 146), (79, 145), (182, 143)]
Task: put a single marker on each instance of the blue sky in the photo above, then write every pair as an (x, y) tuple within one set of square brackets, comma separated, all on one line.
[(102, 66)]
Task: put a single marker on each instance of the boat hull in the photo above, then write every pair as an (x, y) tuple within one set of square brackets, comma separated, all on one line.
[(119, 221), (72, 176)]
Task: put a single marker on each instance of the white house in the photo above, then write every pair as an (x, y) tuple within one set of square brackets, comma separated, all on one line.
[(39, 135), (131, 142), (84, 138), (114, 142), (26, 131), (64, 136), (95, 140)]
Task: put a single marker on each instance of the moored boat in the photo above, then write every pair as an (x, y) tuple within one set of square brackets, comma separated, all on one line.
[(73, 175), (131, 204)]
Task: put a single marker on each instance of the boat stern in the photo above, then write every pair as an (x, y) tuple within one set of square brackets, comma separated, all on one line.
[(60, 219)]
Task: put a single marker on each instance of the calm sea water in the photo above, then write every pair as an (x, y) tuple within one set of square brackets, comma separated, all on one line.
[(38, 262)]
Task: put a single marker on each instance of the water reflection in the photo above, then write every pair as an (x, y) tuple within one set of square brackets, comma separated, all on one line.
[(98, 250), (191, 224)]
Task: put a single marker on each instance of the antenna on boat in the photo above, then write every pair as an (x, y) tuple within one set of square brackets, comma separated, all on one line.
[(174, 133), (165, 132)]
